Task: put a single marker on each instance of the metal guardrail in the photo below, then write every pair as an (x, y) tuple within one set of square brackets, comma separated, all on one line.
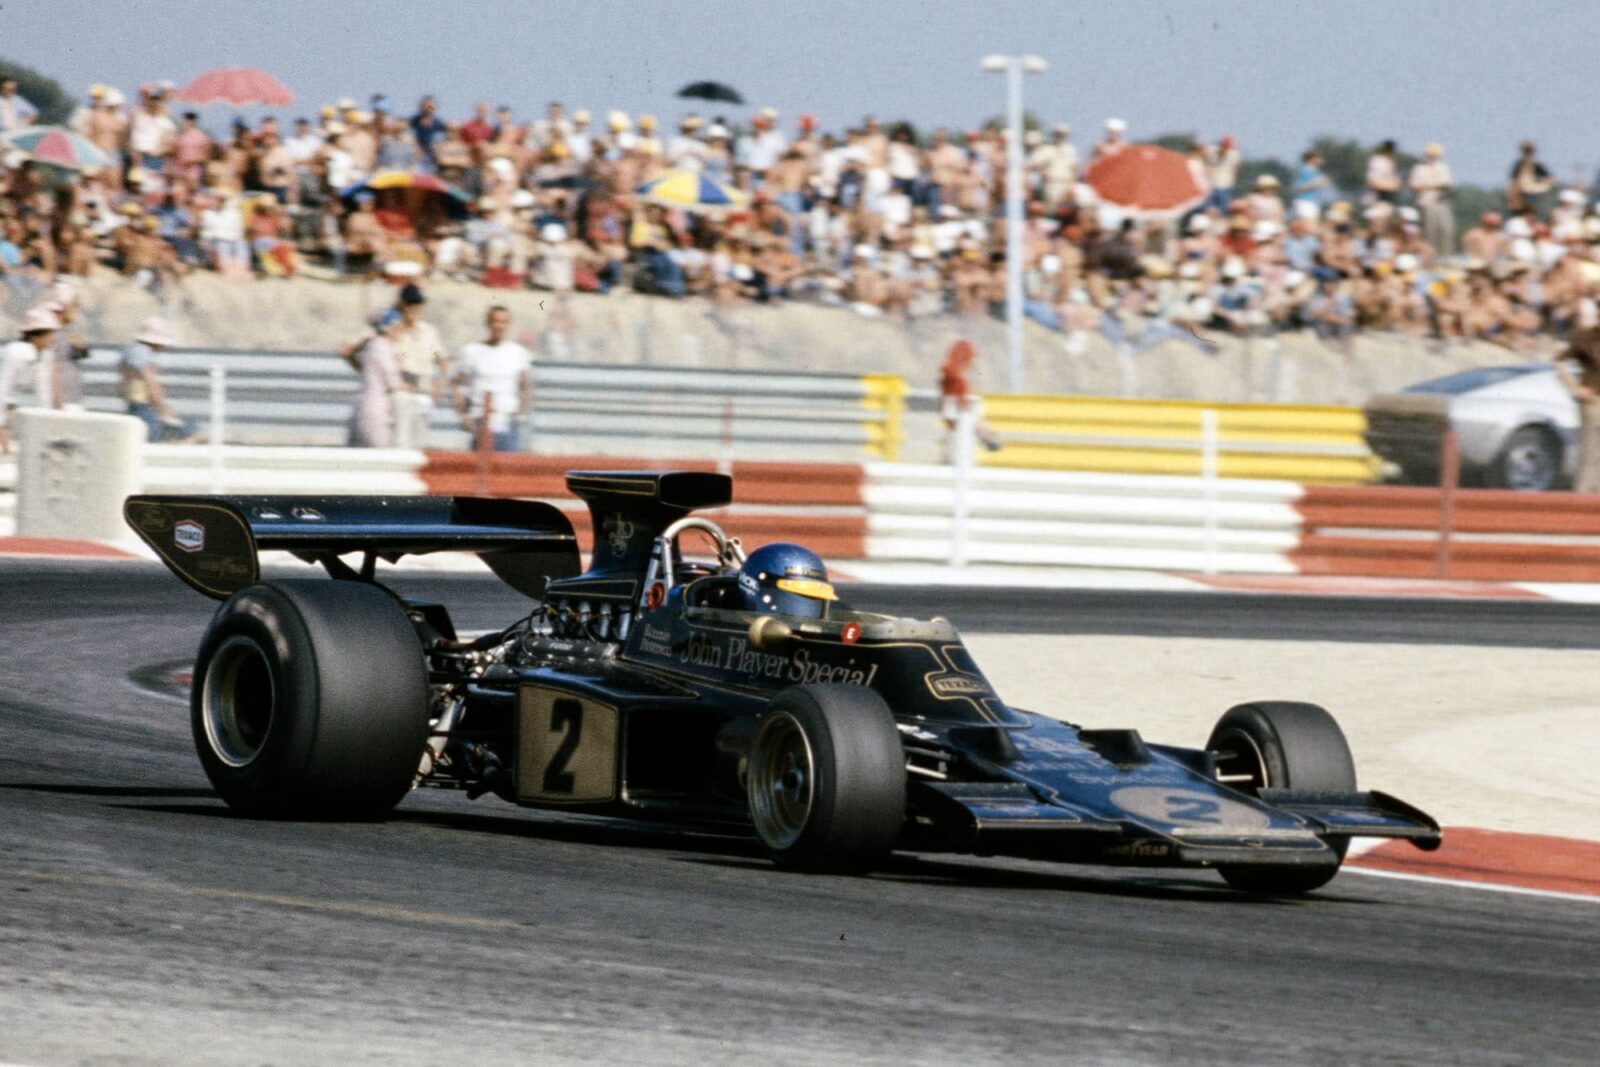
[(304, 398)]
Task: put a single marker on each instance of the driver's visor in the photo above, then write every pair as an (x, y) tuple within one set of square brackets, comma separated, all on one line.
[(808, 587)]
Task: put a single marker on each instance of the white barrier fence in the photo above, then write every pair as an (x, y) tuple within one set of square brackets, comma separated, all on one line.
[(1211, 525)]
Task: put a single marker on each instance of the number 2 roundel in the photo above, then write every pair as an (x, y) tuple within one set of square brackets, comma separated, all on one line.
[(1188, 807)]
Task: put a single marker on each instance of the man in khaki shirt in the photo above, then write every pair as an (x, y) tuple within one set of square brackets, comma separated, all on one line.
[(424, 367), (1430, 184)]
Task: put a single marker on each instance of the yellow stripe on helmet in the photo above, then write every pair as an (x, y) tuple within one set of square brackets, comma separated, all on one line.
[(808, 587)]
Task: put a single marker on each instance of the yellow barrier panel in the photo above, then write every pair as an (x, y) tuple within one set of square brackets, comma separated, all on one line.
[(885, 394), (1318, 444)]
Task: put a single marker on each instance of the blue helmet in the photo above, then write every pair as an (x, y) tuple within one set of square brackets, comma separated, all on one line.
[(785, 579)]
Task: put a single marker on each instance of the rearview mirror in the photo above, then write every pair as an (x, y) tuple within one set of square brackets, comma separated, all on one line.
[(768, 634)]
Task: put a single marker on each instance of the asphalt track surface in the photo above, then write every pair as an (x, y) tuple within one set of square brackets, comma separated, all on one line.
[(141, 923)]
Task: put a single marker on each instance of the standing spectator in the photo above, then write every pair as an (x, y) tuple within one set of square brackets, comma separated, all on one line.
[(397, 150), (577, 136), (1383, 175), (361, 141), (1222, 173), (686, 151), (338, 165), (762, 149), (649, 142), (303, 148), (1430, 185), (1529, 181), (1313, 190), (956, 398), (1056, 164), (946, 164), (1113, 140), (494, 377), (67, 351), (22, 359), (151, 132), (1584, 352), (372, 418), (275, 165), (15, 110), (427, 128), (108, 126), (424, 369), (478, 131), (141, 383)]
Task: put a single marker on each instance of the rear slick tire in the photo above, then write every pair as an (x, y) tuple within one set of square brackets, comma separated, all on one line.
[(1283, 745), (310, 700), (827, 779)]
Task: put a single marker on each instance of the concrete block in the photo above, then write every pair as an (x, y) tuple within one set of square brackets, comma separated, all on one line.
[(73, 470)]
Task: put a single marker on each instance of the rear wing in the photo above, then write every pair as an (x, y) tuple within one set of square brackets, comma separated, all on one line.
[(213, 542)]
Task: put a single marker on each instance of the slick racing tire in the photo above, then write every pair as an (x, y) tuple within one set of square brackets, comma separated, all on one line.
[(827, 779), (310, 700), (1282, 745)]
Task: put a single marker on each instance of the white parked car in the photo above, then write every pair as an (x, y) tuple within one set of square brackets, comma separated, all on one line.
[(1517, 427)]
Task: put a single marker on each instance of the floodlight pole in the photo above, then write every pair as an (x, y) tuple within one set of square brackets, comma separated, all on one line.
[(1014, 68)]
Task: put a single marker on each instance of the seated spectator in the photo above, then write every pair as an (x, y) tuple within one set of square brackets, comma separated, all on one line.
[(366, 243), (1485, 242), (222, 234), (556, 261), (274, 253), (1236, 299), (1330, 310)]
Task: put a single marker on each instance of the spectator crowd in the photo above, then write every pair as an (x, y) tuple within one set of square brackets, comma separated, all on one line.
[(877, 218)]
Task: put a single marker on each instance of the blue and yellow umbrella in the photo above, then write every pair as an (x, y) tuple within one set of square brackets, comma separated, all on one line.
[(689, 190)]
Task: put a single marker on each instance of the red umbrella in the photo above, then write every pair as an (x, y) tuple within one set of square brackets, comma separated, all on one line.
[(1146, 178), (237, 86)]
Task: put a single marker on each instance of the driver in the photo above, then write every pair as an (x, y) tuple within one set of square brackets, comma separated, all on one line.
[(785, 579)]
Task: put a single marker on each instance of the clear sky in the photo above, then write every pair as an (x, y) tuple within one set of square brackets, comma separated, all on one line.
[(1478, 75)]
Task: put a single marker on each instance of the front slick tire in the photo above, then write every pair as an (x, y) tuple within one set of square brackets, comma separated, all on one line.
[(1283, 745), (310, 701), (827, 779)]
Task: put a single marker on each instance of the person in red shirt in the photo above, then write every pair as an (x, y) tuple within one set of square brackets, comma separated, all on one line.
[(956, 396), (1238, 241), (478, 131)]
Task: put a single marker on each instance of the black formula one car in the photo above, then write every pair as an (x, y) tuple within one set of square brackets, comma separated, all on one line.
[(729, 691)]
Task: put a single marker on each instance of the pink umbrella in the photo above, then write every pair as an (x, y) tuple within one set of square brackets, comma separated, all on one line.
[(1147, 179), (237, 86)]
